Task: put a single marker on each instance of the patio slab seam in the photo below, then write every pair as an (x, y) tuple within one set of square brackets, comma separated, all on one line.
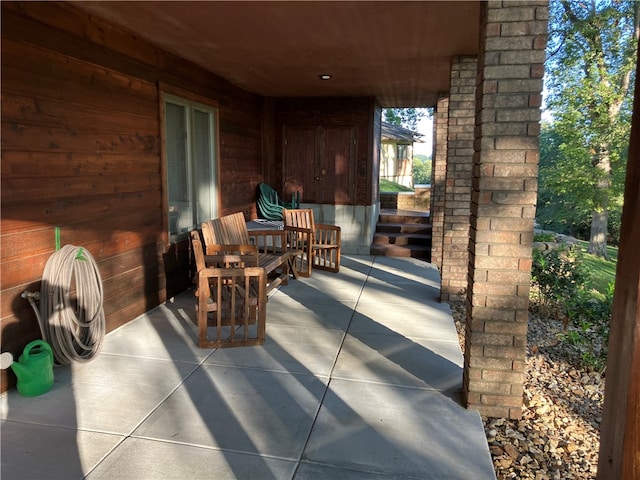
[(205, 401), (333, 366)]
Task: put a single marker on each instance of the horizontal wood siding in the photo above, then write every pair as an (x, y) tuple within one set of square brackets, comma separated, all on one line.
[(240, 175), (81, 150)]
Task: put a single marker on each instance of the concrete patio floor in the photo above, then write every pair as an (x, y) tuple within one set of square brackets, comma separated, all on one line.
[(359, 378)]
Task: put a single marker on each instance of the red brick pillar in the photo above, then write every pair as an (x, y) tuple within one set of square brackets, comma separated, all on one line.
[(505, 168), (462, 113), (438, 178)]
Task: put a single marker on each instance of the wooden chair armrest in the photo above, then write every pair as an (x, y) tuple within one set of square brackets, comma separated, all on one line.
[(211, 272), (298, 238), (229, 256), (323, 226), (290, 228)]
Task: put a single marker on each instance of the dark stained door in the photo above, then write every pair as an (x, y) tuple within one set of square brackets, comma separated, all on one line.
[(319, 162), (299, 162)]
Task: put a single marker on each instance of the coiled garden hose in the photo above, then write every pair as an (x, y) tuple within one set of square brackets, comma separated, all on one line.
[(74, 326)]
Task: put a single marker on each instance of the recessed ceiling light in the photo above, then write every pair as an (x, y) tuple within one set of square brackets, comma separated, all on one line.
[(325, 76)]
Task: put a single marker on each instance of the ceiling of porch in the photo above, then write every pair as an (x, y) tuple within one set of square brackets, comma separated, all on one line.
[(396, 51)]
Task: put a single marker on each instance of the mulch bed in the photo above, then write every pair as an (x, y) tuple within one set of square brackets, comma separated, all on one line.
[(558, 434)]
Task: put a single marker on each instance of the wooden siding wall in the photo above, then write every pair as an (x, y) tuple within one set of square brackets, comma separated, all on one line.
[(377, 141), (330, 112), (81, 151)]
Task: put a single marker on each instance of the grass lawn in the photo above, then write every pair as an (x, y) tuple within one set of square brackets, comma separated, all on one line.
[(603, 271), (387, 186)]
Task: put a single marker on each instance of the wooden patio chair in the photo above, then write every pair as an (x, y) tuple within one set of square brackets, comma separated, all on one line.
[(320, 243), (273, 255), (231, 297)]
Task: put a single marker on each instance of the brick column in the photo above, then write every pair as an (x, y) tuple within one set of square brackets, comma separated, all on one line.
[(438, 178), (455, 254), (505, 168)]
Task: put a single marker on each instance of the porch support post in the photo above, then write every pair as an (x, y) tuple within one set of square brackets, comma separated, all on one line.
[(505, 169), (619, 434), (460, 139), (438, 178)]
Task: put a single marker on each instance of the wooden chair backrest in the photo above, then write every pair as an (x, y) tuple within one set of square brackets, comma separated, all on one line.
[(198, 251), (227, 230), (299, 218), (235, 228), (209, 232)]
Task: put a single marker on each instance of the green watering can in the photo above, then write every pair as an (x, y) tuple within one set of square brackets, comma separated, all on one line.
[(34, 369)]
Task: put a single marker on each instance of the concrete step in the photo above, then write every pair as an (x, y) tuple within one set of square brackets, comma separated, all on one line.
[(414, 251), (383, 238), (403, 233), (423, 219), (418, 228)]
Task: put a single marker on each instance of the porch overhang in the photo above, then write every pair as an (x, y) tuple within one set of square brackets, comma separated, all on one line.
[(398, 52)]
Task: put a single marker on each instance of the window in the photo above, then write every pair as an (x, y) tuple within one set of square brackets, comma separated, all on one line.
[(402, 152), (190, 140)]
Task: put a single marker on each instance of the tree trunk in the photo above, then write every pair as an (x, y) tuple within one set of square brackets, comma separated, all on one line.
[(598, 237), (600, 217)]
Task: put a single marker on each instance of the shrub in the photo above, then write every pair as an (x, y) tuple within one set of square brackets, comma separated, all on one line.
[(556, 276), (544, 237), (560, 288)]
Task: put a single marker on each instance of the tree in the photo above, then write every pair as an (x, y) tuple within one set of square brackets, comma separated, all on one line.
[(405, 117), (421, 170), (590, 67), (565, 194)]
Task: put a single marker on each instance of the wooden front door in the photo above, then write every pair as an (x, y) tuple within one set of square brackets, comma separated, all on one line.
[(319, 162)]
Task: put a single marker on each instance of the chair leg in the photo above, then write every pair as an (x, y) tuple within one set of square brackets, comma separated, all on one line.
[(327, 258), (237, 302), (293, 268)]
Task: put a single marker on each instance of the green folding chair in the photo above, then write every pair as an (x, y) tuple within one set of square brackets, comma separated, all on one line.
[(270, 205)]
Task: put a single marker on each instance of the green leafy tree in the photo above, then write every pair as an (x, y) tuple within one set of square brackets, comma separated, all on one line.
[(566, 197), (421, 169), (564, 193), (405, 117), (590, 66)]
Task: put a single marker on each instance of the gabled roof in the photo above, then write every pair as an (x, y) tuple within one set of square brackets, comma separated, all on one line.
[(396, 132)]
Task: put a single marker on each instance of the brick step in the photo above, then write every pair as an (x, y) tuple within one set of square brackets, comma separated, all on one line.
[(420, 228), (403, 233), (422, 219), (402, 239), (414, 251)]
